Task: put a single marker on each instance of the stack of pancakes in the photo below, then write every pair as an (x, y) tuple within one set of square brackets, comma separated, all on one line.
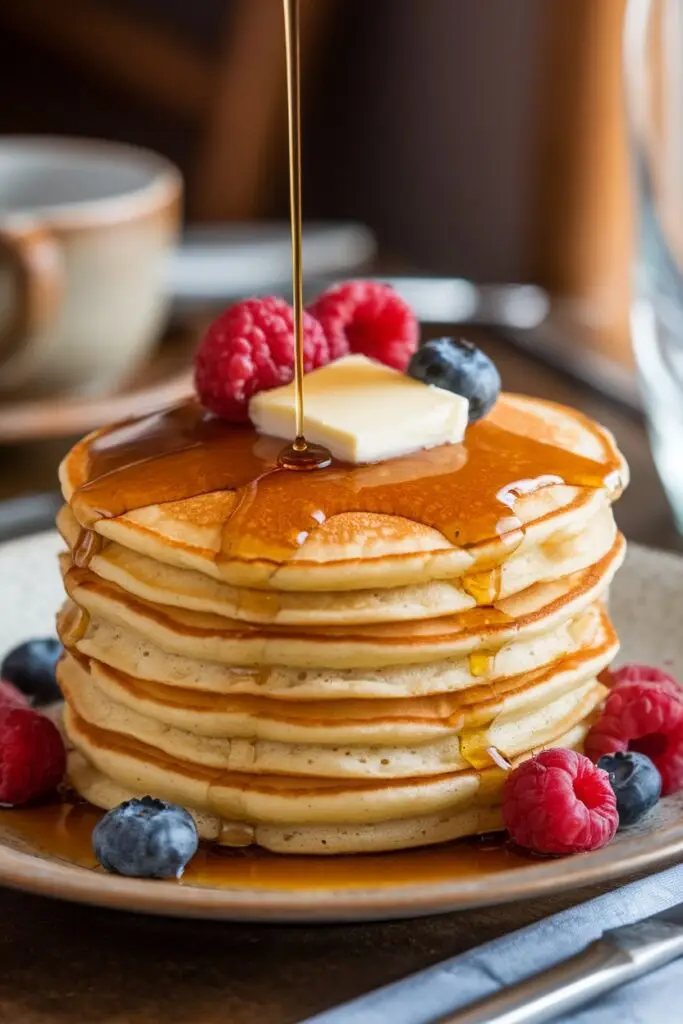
[(373, 693)]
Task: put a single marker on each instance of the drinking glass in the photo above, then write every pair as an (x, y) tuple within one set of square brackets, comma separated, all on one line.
[(653, 68)]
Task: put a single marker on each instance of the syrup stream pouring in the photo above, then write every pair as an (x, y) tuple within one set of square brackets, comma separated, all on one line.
[(299, 455)]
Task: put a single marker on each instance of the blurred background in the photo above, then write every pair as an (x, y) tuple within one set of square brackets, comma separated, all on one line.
[(482, 140), (462, 148)]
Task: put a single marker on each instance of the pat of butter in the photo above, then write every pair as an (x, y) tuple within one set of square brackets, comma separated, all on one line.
[(363, 411)]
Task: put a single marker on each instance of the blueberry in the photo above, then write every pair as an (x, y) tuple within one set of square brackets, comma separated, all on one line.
[(636, 783), (145, 838), (459, 366), (31, 668)]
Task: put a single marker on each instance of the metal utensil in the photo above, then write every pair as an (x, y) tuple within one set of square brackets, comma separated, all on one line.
[(619, 956)]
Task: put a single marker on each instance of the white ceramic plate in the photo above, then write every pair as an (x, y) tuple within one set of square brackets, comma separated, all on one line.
[(647, 603)]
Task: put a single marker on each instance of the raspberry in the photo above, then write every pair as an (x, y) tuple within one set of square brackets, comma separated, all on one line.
[(635, 673), (559, 802), (646, 717), (250, 348), (32, 755), (367, 317), (10, 696)]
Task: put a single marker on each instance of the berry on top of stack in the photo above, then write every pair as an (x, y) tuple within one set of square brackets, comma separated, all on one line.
[(250, 347)]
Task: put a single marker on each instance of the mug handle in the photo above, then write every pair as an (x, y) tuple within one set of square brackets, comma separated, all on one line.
[(35, 260)]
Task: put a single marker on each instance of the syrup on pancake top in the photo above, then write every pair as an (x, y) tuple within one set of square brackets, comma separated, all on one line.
[(347, 658), (467, 492)]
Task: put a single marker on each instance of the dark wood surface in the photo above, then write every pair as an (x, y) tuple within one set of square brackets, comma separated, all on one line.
[(62, 963)]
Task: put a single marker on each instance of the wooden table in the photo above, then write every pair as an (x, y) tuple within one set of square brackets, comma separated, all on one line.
[(61, 963)]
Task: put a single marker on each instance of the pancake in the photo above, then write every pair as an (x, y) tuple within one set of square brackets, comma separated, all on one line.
[(356, 549), (278, 798), (378, 744), (133, 655), (473, 807), (331, 839), (212, 637), (160, 583), (396, 720)]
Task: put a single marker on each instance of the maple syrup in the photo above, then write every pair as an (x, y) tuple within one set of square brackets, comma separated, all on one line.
[(476, 749), (483, 586), (88, 544), (466, 491), (63, 830), (300, 454), (309, 456), (72, 623), (480, 663)]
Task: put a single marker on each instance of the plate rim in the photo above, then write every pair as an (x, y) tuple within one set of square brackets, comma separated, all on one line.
[(57, 878)]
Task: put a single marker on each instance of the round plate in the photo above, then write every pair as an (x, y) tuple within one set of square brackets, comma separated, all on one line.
[(645, 603)]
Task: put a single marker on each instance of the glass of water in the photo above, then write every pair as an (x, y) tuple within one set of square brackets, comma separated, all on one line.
[(653, 68)]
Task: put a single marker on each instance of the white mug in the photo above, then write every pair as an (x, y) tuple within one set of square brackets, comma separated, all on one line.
[(85, 233)]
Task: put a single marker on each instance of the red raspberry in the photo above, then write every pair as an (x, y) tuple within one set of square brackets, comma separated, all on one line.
[(635, 673), (559, 802), (32, 755), (11, 696), (250, 348), (367, 317), (646, 717)]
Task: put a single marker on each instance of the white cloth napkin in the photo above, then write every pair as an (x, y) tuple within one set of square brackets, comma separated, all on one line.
[(421, 998)]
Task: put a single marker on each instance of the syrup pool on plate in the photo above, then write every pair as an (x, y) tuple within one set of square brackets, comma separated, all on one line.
[(63, 830)]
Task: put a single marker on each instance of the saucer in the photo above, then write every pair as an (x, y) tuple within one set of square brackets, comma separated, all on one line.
[(163, 380)]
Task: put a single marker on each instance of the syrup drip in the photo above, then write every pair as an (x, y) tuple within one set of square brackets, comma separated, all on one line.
[(64, 830), (73, 624), (88, 544), (466, 491), (236, 834), (474, 747), (484, 586), (306, 457), (480, 663)]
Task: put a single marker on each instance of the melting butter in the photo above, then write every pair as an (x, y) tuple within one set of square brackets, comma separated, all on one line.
[(363, 411)]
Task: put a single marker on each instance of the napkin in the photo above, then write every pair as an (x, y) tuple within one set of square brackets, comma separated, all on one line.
[(422, 998)]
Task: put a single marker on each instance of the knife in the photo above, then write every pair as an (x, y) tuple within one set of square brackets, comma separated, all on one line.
[(619, 956)]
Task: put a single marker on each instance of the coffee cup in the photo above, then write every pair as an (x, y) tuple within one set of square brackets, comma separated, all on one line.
[(86, 227)]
